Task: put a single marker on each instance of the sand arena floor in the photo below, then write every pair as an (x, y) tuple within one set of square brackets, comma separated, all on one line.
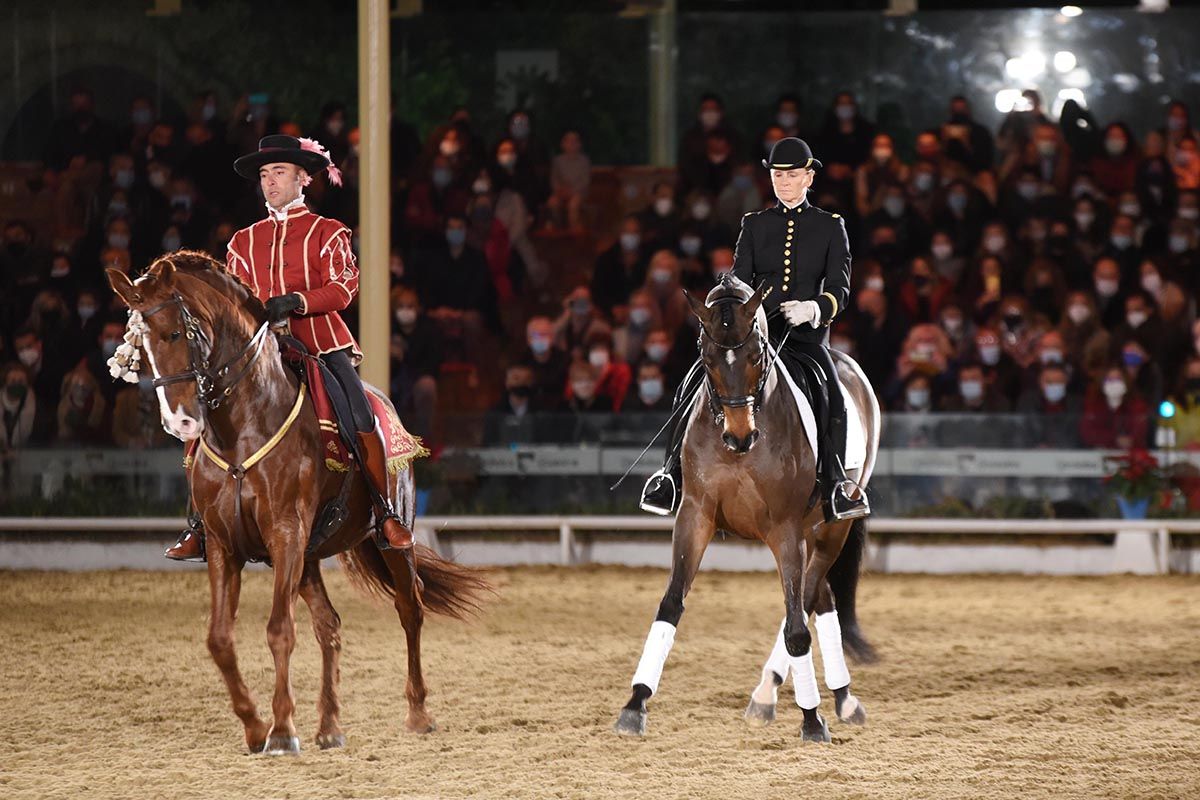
[(989, 687)]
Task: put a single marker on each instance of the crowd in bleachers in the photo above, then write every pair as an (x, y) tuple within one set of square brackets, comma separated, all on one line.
[(1049, 267)]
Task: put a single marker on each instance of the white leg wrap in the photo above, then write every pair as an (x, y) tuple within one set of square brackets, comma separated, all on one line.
[(654, 655), (778, 663), (829, 635), (804, 677)]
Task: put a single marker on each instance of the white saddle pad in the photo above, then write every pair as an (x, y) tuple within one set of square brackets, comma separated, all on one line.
[(856, 439)]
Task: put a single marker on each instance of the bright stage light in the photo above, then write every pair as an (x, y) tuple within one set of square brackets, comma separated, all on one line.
[(1064, 61), (1026, 67), (1007, 99), (1072, 94), (1166, 409), (1070, 11)]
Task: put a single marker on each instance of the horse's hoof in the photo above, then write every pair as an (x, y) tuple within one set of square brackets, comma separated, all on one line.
[(815, 731), (760, 714), (330, 741), (852, 712), (632, 722), (420, 726), (280, 744)]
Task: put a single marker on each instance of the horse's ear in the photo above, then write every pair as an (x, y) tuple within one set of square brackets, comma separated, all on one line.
[(755, 301), (163, 271), (124, 287), (698, 307)]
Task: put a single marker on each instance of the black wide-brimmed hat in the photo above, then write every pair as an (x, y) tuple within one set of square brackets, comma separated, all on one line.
[(791, 153), (277, 148)]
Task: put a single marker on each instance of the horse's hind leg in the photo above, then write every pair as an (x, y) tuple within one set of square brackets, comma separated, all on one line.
[(761, 710), (694, 528), (225, 583), (412, 615), (837, 675), (327, 626)]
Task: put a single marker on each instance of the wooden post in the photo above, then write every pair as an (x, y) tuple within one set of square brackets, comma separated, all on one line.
[(374, 192)]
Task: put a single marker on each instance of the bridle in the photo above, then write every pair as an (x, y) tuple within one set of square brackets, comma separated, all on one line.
[(716, 401), (212, 385)]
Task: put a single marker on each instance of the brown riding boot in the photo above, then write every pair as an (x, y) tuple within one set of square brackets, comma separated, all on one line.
[(395, 536), (190, 546)]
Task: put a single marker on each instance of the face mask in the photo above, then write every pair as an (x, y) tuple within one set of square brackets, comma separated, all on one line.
[(881, 155), (971, 390), (598, 358), (742, 182), (16, 391), (507, 160), (661, 276), (942, 251), (209, 111), (448, 147), (1130, 209), (1114, 146), (952, 325), (710, 119), (60, 270), (1152, 282), (580, 308), (894, 206), (521, 392), (1189, 212), (874, 283), (690, 245), (456, 237), (441, 177), (539, 345), (1175, 123), (787, 119), (118, 240), (1054, 392), (845, 112), (1051, 356), (1114, 390), (1046, 149), (109, 347), (28, 356), (1132, 358), (663, 206), (86, 312), (917, 398), (1106, 287), (923, 181), (1078, 313), (406, 316), (1027, 190), (1136, 318), (1084, 220), (701, 210), (583, 390), (1121, 241), (143, 116), (171, 243), (1177, 243), (957, 202), (117, 208), (481, 186), (158, 179), (630, 242), (656, 352), (989, 354), (519, 128), (638, 317), (123, 178), (650, 390), (993, 244)]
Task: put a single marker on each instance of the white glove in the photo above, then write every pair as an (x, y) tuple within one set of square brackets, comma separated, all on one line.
[(798, 312)]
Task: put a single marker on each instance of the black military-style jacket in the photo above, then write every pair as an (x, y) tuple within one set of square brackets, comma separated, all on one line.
[(796, 254)]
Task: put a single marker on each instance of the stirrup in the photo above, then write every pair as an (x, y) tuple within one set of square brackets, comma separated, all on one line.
[(848, 507), (190, 546), (663, 506)]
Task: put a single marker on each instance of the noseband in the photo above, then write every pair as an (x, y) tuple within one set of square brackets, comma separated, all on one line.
[(716, 401), (212, 386)]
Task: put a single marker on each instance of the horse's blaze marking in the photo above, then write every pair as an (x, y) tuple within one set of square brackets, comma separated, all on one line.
[(730, 357)]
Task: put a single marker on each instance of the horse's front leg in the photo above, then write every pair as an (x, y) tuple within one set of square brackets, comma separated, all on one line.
[(287, 554), (791, 556), (694, 529), (225, 582)]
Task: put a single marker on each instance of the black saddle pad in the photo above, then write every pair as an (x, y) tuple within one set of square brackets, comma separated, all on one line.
[(296, 355)]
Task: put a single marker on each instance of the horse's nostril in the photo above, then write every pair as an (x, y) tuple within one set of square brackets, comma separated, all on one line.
[(730, 441)]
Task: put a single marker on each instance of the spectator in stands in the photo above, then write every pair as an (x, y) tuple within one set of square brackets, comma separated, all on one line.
[(511, 419), (23, 417), (661, 219), (581, 393), (720, 261), (877, 332), (629, 339), (570, 176), (974, 394), (1052, 407), (845, 138), (714, 170), (660, 349), (1019, 329), (432, 200), (488, 235), (1143, 325), (884, 168), (515, 168), (648, 394), (579, 320), (966, 141), (698, 219), (416, 360), (1186, 397), (741, 196), (547, 363), (81, 136), (954, 323), (82, 411), (22, 264), (923, 294), (926, 351), (663, 284), (136, 419), (710, 119), (43, 372), (1107, 299), (612, 375), (916, 396), (999, 369), (1115, 416), (621, 268), (1142, 372), (1115, 170), (457, 290)]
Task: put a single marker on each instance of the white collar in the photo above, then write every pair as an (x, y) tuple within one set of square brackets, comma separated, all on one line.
[(282, 214), (795, 205)]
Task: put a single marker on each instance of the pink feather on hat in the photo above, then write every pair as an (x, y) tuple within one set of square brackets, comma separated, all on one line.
[(313, 146)]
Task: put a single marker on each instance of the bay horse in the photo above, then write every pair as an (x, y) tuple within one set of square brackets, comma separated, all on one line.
[(219, 378), (748, 468)]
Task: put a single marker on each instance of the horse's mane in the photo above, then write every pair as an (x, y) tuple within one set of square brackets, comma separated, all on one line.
[(208, 270)]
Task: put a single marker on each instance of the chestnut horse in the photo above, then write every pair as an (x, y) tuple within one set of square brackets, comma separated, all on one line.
[(748, 468), (219, 378)]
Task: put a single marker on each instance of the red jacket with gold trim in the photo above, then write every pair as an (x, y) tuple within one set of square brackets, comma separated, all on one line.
[(308, 255)]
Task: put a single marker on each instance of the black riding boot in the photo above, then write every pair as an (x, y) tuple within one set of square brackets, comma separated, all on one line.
[(663, 490), (843, 497)]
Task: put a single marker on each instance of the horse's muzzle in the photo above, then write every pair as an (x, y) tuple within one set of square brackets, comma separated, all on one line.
[(738, 444)]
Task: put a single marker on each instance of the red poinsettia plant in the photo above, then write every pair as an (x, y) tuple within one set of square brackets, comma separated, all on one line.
[(1137, 475)]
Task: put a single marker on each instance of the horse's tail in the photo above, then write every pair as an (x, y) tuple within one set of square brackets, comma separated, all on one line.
[(444, 587), (843, 580)]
